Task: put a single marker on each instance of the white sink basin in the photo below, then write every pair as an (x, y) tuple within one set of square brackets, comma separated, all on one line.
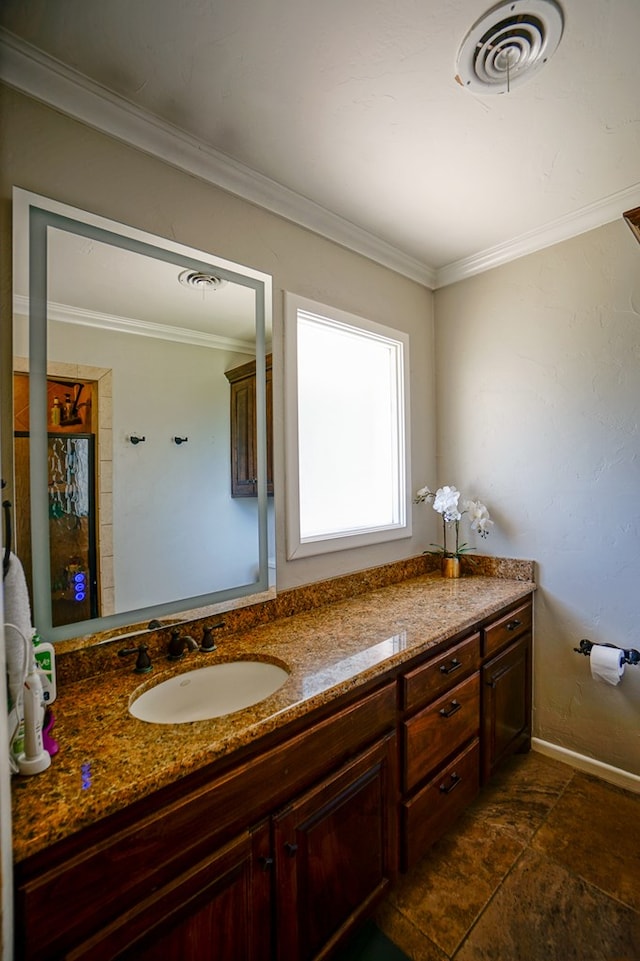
[(208, 692)]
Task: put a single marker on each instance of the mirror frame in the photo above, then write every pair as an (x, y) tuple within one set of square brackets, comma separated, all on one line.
[(33, 216)]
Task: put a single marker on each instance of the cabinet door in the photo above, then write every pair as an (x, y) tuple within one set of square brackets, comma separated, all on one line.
[(244, 454), (335, 854), (219, 909), (244, 467), (506, 706)]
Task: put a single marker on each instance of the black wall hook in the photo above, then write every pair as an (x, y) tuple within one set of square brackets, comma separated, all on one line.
[(137, 440), (180, 440)]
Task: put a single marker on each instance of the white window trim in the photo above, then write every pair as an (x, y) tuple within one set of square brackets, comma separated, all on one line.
[(296, 548)]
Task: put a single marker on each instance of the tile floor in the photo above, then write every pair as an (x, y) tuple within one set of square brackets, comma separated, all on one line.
[(545, 866)]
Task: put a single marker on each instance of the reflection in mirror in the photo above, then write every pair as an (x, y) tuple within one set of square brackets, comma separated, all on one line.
[(124, 351)]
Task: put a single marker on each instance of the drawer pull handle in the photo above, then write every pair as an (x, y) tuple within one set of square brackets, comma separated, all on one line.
[(290, 849), (454, 782), (512, 625), (449, 712), (455, 664)]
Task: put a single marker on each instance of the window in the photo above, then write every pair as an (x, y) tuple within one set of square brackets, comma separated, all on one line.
[(346, 432)]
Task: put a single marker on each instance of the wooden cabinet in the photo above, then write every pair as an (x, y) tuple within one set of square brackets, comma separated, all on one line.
[(440, 766), (202, 869), (244, 454), (220, 908), (276, 854), (506, 688), (465, 712), (287, 889), (335, 854)]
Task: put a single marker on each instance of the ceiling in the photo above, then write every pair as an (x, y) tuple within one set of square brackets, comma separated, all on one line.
[(345, 115), (167, 291), (149, 298)]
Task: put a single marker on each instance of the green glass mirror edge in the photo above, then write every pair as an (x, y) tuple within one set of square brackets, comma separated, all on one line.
[(43, 215)]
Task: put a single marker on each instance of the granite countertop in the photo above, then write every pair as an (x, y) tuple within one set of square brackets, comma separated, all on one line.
[(108, 759)]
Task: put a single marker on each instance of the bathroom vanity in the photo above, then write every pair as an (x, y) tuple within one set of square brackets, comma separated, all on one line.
[(271, 833)]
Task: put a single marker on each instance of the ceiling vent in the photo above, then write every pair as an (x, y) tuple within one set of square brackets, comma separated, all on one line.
[(508, 45), (198, 280)]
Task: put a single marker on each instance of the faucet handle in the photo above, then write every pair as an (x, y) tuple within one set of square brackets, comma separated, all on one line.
[(176, 647), (143, 661), (208, 642)]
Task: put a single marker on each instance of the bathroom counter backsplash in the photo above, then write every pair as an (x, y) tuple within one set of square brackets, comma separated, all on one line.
[(108, 759)]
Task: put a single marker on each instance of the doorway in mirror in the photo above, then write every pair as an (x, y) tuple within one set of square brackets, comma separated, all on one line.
[(78, 554)]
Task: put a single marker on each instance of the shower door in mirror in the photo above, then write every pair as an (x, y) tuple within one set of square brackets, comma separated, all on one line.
[(72, 528), (72, 523)]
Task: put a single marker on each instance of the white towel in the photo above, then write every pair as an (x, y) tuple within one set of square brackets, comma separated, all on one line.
[(17, 610)]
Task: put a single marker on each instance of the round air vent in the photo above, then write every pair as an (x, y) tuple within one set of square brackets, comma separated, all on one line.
[(508, 45), (197, 280)]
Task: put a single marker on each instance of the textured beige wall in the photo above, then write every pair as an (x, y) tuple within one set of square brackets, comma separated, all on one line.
[(538, 407), (43, 151)]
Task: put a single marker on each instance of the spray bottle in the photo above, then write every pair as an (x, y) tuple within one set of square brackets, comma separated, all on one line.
[(45, 656)]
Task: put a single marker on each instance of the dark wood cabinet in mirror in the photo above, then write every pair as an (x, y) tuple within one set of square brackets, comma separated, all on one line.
[(242, 413)]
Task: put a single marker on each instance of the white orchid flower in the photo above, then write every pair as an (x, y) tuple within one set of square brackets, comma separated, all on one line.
[(479, 516), (446, 503)]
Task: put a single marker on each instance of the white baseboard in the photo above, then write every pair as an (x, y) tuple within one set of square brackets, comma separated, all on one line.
[(615, 775)]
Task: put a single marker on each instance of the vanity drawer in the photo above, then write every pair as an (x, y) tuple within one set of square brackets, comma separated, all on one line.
[(433, 810), (421, 685), (507, 628), (435, 733)]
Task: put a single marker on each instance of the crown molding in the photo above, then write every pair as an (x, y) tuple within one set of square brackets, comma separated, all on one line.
[(564, 228), (43, 78), (80, 316)]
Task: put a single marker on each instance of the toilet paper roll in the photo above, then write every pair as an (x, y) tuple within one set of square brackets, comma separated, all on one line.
[(607, 663)]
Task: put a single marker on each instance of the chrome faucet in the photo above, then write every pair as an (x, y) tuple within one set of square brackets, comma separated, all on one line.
[(179, 643)]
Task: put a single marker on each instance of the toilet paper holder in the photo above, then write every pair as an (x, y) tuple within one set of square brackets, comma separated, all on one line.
[(631, 656)]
